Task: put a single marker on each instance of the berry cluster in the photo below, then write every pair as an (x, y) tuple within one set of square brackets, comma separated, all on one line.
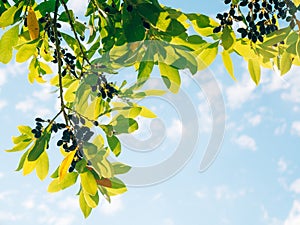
[(68, 61), (37, 131), (260, 18), (48, 27), (105, 90)]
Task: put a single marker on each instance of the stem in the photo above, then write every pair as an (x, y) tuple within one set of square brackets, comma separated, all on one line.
[(58, 52), (84, 57)]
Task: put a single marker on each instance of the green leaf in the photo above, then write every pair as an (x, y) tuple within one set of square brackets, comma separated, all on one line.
[(285, 63), (133, 26), (120, 168), (64, 16), (114, 144), (228, 63), (86, 210), (46, 7), (124, 125), (170, 77), (202, 24), (146, 66), (8, 40), (22, 160), (89, 183), (276, 37), (42, 166), (40, 146), (25, 52), (175, 28), (227, 37), (254, 69)]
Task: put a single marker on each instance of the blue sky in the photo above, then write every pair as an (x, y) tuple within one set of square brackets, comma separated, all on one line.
[(254, 180)]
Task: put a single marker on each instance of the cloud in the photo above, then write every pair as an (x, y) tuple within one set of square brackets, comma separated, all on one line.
[(294, 214), (26, 105), (1, 175), (168, 221), (201, 194), (10, 216), (205, 118), (157, 196), (2, 77), (69, 204), (268, 219), (280, 130), (3, 103), (223, 192), (282, 165), (295, 186), (240, 92), (174, 131), (245, 142), (254, 120), (112, 208), (295, 129), (29, 204)]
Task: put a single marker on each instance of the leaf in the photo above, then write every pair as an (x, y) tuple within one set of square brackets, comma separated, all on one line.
[(65, 165), (42, 167), (207, 55), (86, 210), (285, 63), (8, 40), (92, 201), (228, 63), (40, 145), (89, 183), (32, 24), (228, 38), (170, 77), (70, 94), (276, 37), (20, 146), (69, 180), (124, 125), (22, 160), (145, 67), (202, 24), (254, 69), (7, 18), (298, 47), (25, 52), (114, 144), (118, 187), (120, 168), (46, 7)]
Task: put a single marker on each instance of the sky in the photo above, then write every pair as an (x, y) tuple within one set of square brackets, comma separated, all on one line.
[(255, 179)]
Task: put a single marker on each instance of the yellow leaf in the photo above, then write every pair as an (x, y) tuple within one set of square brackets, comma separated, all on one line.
[(64, 166), (254, 69), (32, 24), (42, 166), (89, 183), (71, 92), (46, 68), (147, 113), (228, 63)]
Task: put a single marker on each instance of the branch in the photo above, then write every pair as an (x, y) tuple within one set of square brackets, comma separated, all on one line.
[(84, 57), (59, 61)]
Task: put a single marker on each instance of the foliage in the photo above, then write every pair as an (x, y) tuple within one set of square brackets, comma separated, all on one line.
[(117, 34)]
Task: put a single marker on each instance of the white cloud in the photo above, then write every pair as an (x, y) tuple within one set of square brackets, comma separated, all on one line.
[(3, 103), (246, 142), (268, 219), (280, 130), (296, 128), (282, 165), (69, 204), (9, 216), (254, 120), (205, 118), (44, 94), (112, 208), (25, 106), (294, 214), (240, 92), (223, 192), (295, 186), (168, 221), (1, 175), (201, 194), (29, 204), (157, 196), (174, 131), (274, 82), (2, 77)]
